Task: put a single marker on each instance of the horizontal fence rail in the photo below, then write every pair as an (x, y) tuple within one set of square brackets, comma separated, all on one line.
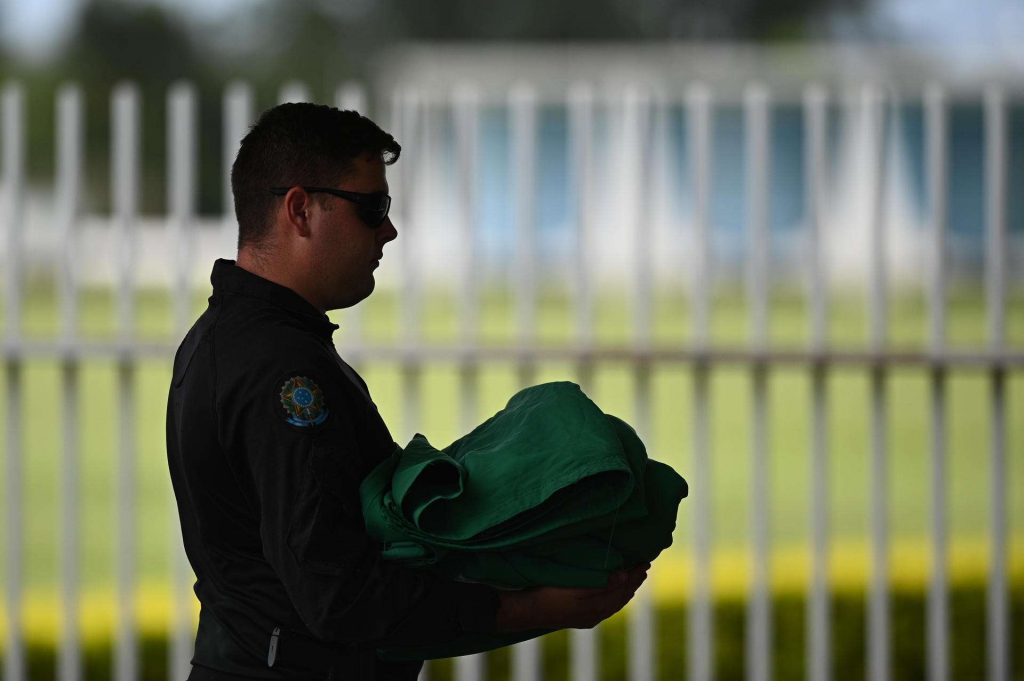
[(617, 145)]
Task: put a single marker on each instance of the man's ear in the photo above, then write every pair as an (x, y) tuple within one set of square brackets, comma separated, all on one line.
[(297, 206)]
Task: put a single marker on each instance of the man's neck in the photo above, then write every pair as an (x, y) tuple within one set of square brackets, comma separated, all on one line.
[(254, 264)]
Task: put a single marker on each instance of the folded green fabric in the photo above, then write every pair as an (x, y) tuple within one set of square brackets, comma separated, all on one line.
[(549, 491)]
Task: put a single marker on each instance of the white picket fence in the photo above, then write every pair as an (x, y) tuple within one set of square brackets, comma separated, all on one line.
[(183, 233)]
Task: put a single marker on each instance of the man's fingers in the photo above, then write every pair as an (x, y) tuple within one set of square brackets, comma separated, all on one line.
[(618, 578)]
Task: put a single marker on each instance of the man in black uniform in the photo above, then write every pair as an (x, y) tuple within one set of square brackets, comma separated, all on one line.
[(270, 432)]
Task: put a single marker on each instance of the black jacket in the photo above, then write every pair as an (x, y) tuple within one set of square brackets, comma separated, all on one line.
[(269, 434)]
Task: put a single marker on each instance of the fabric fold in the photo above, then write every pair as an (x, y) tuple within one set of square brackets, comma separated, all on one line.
[(549, 491)]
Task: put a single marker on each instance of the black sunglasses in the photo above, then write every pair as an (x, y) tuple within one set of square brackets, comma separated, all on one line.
[(372, 208)]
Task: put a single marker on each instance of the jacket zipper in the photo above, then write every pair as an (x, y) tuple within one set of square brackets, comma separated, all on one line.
[(272, 651)]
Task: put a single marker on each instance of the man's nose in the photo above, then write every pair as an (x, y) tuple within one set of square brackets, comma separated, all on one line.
[(387, 231)]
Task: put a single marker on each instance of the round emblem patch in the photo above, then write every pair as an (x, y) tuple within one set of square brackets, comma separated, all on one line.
[(303, 402)]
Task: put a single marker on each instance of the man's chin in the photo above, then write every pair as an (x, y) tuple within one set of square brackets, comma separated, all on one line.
[(357, 298)]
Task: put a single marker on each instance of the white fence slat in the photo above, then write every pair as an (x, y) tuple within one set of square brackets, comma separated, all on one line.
[(526, 661), (410, 115), (12, 105), (642, 120), (642, 635), (998, 632), (583, 662), (819, 622), (470, 667), (818, 639), (872, 111), (938, 598), (758, 126), (583, 643), (69, 658), (815, 131), (878, 588), (758, 131), (351, 96), (14, 645), (995, 290), (181, 172), (68, 190), (759, 607), (936, 160), (996, 146), (237, 116), (466, 119), (68, 195), (701, 643), (699, 129), (293, 92), (581, 133), (126, 660), (125, 168), (522, 104), (125, 187), (408, 124), (639, 134), (636, 176)]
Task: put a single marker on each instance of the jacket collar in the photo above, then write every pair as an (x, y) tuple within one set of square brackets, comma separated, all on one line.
[(227, 277)]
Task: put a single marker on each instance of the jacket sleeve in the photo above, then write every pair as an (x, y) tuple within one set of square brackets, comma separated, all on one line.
[(306, 482)]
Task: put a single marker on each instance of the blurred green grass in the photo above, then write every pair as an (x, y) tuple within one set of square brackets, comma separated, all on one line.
[(789, 623), (669, 437)]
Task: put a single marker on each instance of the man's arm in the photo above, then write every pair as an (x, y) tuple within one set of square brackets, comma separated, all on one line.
[(313, 537)]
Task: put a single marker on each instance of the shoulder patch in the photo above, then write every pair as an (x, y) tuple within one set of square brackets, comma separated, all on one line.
[(303, 402)]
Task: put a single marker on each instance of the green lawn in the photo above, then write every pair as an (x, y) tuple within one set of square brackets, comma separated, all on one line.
[(669, 437)]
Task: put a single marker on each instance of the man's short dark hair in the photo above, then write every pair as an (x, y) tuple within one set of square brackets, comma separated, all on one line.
[(298, 144)]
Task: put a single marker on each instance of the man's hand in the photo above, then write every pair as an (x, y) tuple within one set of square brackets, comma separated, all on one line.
[(550, 607)]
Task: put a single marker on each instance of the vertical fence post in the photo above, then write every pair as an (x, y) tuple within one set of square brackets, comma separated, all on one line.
[(410, 123), (125, 167), (294, 91), (466, 115), (995, 294), (582, 642), (466, 118), (12, 104), (699, 129), (237, 115), (818, 612), (523, 108), (526, 656), (758, 127), (68, 191), (938, 602), (872, 111), (640, 147), (405, 118), (351, 96), (181, 173)]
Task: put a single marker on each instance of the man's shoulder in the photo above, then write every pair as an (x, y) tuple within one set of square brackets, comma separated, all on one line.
[(261, 334)]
